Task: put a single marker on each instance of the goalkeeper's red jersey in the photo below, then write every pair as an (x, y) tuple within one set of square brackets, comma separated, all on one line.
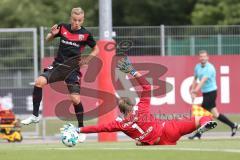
[(139, 124)]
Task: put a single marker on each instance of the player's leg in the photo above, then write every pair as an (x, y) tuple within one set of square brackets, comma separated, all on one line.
[(78, 108), (208, 103), (73, 84), (202, 125), (40, 82), (189, 125), (219, 116), (175, 129), (180, 127), (225, 120), (46, 77)]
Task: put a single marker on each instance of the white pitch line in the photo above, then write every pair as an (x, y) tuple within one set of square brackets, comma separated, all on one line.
[(152, 149), (147, 148)]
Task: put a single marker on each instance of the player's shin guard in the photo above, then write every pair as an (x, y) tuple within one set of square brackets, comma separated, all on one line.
[(79, 113), (37, 98)]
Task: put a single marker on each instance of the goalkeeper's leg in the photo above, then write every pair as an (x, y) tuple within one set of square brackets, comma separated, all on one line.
[(205, 123)]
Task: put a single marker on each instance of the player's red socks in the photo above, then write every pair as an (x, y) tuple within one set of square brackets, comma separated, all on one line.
[(205, 119)]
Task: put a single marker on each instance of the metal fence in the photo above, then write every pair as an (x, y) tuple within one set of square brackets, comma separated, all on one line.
[(168, 40), (188, 40), (18, 65), (18, 69)]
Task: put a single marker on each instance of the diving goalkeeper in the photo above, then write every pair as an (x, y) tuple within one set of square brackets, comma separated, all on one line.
[(140, 125)]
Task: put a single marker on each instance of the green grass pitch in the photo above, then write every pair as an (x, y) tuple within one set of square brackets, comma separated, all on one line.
[(220, 149)]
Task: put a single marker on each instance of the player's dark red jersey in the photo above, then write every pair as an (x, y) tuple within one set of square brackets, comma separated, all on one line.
[(72, 43), (139, 125)]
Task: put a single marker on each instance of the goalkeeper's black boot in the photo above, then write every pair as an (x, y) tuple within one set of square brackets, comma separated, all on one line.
[(195, 136), (207, 126)]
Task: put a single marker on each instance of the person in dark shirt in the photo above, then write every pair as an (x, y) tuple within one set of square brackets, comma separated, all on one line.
[(73, 38)]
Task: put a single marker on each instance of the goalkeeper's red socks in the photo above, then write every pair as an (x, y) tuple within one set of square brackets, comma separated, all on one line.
[(204, 120)]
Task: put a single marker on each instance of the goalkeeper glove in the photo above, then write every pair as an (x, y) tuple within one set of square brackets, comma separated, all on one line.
[(125, 66)]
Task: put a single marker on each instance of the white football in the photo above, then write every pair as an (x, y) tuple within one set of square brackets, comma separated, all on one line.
[(69, 138)]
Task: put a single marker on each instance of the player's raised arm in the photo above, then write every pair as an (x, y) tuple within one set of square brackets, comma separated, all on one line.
[(54, 31), (125, 66)]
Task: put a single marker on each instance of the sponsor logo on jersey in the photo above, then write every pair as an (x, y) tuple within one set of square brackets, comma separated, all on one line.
[(149, 130), (70, 43), (81, 37)]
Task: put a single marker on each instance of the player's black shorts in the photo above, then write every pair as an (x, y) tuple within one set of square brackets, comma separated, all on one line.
[(61, 72), (209, 100)]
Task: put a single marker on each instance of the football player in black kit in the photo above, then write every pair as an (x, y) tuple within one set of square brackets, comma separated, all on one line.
[(73, 38)]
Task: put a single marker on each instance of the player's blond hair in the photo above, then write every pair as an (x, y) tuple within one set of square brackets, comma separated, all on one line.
[(77, 11), (125, 105)]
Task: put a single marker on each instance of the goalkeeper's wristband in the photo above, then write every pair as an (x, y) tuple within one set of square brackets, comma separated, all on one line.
[(133, 72)]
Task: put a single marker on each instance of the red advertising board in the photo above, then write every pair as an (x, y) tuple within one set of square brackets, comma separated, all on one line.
[(176, 71)]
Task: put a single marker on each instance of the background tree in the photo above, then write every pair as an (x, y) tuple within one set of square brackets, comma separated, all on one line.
[(222, 12), (35, 13), (152, 12)]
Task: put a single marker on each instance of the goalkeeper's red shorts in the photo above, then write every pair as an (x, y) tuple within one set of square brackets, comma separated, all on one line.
[(173, 130)]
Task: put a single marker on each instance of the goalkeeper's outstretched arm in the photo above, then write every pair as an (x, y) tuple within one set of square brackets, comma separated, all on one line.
[(113, 126), (125, 66)]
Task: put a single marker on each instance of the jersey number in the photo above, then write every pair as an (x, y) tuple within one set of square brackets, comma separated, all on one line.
[(135, 126)]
